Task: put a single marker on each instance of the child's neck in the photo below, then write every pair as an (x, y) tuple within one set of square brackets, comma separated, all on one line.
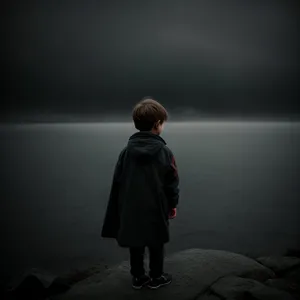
[(154, 131)]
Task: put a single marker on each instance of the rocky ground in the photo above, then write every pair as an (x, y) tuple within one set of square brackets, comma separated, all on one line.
[(198, 274)]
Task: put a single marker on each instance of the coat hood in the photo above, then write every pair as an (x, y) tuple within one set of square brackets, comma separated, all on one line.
[(143, 145)]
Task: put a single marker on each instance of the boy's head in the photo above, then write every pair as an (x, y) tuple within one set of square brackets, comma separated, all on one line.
[(149, 115)]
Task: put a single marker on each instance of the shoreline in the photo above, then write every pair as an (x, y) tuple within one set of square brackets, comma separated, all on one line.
[(126, 118)]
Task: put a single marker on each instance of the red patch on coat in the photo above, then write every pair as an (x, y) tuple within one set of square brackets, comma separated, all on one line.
[(173, 164)]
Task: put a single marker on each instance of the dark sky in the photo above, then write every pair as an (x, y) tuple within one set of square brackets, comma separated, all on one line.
[(103, 56)]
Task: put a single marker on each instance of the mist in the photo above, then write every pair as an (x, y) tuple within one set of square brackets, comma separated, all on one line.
[(229, 59)]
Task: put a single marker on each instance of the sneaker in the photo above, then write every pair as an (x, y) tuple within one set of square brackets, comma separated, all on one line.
[(139, 282), (164, 279)]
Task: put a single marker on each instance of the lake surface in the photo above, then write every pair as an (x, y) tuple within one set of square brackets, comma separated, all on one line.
[(239, 185)]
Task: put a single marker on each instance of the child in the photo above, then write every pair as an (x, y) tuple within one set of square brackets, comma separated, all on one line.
[(144, 196)]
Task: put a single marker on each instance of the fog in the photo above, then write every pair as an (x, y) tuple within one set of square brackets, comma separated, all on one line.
[(239, 190)]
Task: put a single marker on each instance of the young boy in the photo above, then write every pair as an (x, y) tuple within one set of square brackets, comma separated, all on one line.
[(144, 196)]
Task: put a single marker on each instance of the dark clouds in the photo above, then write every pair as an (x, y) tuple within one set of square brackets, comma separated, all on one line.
[(222, 56)]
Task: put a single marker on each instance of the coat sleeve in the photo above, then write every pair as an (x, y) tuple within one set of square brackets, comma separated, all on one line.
[(111, 220), (171, 186)]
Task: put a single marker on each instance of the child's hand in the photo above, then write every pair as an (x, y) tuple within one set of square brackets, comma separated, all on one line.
[(173, 213)]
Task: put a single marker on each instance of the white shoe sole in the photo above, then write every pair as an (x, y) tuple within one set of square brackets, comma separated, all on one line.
[(157, 287), (139, 287)]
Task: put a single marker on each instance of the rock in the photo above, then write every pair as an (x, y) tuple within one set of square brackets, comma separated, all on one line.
[(87, 276), (45, 278), (59, 285), (31, 287), (37, 284), (283, 284), (193, 272), (293, 274), (208, 296), (232, 287), (293, 252), (279, 264)]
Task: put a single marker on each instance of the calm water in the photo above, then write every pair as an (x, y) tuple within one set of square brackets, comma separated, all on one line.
[(239, 190)]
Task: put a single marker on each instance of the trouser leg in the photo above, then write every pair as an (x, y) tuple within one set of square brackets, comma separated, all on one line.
[(156, 263), (137, 261)]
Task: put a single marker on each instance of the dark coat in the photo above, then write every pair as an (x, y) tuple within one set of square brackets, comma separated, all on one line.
[(143, 191)]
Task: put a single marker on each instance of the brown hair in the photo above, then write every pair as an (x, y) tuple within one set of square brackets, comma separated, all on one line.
[(147, 112)]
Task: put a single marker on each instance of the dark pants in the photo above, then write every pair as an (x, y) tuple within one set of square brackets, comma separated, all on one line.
[(156, 261)]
